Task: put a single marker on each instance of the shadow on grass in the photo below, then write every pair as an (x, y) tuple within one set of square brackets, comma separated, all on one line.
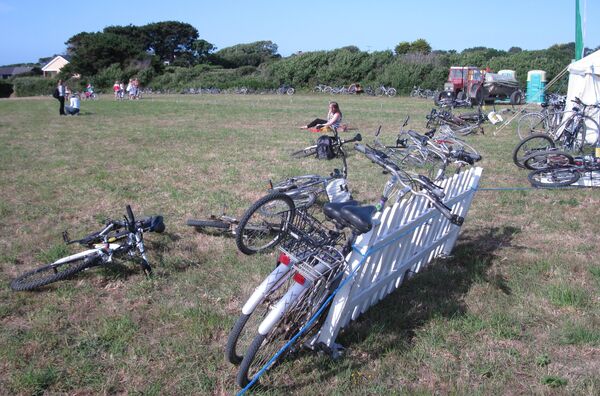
[(436, 292)]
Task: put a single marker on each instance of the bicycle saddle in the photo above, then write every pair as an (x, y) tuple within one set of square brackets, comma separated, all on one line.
[(359, 217), (422, 139), (333, 209), (153, 224)]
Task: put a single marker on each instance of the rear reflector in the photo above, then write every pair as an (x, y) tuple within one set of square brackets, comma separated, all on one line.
[(284, 259), (299, 278)]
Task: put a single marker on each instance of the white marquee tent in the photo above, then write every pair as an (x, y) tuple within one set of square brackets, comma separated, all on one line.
[(584, 83)]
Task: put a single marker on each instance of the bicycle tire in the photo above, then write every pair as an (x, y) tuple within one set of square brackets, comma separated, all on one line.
[(50, 273), (391, 92), (305, 152), (533, 143), (547, 160), (552, 178), (255, 234), (208, 224), (243, 331), (264, 347), (529, 124)]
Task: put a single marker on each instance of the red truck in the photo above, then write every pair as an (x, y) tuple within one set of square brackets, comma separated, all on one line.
[(480, 86)]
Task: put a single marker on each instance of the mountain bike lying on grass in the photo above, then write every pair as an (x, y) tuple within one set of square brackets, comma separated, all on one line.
[(461, 124), (556, 168), (116, 239)]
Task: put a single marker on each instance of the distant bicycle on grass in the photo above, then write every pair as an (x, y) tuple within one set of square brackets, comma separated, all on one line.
[(118, 238)]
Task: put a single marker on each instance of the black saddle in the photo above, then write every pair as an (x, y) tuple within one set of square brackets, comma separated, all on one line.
[(333, 210), (359, 217)]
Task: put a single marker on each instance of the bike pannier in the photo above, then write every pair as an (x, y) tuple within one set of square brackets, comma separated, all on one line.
[(325, 147)]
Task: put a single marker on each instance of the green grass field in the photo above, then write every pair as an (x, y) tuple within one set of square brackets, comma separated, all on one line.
[(515, 311)]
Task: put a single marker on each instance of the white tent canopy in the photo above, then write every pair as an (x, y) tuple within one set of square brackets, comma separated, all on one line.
[(584, 83)]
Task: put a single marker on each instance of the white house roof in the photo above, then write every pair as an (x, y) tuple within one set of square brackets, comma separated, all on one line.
[(55, 64)]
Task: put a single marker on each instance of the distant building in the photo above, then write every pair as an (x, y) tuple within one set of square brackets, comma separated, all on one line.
[(9, 71), (53, 67)]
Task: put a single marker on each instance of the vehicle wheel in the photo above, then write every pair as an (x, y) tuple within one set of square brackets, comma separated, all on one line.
[(477, 98), (209, 226), (265, 223), (290, 91), (306, 152), (529, 145), (391, 92), (52, 273), (530, 123), (548, 178), (460, 95), (548, 160), (244, 330), (264, 347), (379, 92), (302, 190), (516, 98)]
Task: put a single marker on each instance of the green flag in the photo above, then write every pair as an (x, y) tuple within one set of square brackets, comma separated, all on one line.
[(578, 33)]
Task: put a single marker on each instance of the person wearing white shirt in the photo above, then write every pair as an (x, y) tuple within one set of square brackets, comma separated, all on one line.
[(73, 107)]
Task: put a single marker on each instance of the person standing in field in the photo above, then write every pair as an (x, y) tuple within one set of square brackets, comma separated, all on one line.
[(60, 91)]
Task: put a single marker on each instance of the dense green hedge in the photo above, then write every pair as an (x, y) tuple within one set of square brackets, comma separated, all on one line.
[(6, 88), (342, 66)]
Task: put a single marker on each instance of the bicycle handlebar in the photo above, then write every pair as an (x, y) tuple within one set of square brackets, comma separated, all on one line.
[(434, 193)]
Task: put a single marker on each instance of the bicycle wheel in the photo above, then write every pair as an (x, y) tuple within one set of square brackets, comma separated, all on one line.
[(265, 223), (558, 177), (264, 347), (306, 152), (52, 273), (243, 331), (548, 159), (391, 92), (531, 144), (209, 226), (530, 123)]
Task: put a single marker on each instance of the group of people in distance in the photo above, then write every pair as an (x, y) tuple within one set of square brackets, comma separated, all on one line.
[(132, 89)]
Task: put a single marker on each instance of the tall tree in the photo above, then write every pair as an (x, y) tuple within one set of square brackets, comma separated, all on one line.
[(169, 40), (252, 54)]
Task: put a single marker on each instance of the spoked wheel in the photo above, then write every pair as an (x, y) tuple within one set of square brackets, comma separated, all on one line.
[(529, 124), (530, 145), (52, 273), (391, 92), (548, 160), (559, 177), (264, 347), (306, 152), (265, 223), (244, 330)]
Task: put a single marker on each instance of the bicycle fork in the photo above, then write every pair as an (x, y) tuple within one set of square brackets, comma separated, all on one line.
[(139, 244)]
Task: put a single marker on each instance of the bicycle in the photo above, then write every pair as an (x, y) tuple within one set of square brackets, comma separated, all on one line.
[(385, 91), (116, 239), (570, 134), (316, 274), (559, 169), (337, 143), (461, 124), (263, 224), (545, 120)]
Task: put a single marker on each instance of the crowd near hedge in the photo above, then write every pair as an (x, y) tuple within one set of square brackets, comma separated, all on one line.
[(170, 56)]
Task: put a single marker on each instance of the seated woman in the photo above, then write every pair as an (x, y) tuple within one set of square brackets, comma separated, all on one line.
[(334, 119)]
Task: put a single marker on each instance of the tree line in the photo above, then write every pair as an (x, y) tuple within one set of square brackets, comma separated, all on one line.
[(171, 55)]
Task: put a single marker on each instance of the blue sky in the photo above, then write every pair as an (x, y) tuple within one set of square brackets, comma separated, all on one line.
[(34, 29)]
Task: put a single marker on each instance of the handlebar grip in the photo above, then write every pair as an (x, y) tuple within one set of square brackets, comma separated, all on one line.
[(445, 211), (130, 218)]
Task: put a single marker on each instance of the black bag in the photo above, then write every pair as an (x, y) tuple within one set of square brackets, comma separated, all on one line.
[(55, 94), (325, 147)]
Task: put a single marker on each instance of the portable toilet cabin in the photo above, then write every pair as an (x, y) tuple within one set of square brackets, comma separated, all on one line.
[(536, 83)]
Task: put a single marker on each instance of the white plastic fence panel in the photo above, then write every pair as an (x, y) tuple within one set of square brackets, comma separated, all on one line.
[(410, 234)]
